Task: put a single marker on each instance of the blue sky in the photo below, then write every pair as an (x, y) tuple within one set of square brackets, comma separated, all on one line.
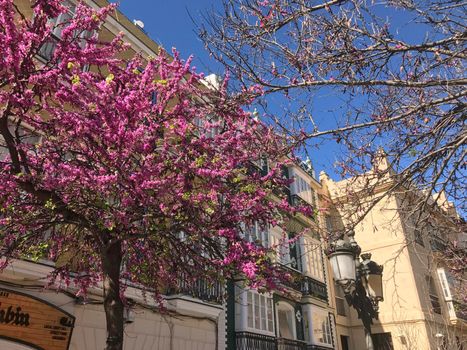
[(168, 23)]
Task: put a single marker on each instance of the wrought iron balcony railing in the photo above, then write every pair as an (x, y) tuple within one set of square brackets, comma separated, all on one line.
[(295, 281), (314, 288), (296, 200), (254, 341), (290, 344), (304, 284), (317, 347), (199, 289), (250, 341)]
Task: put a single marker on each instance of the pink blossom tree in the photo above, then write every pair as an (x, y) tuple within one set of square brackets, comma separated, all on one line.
[(126, 169)]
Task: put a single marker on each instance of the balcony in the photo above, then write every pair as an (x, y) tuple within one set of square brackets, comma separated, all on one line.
[(304, 284), (314, 288), (253, 341), (296, 200), (295, 277), (250, 341), (200, 289), (290, 344)]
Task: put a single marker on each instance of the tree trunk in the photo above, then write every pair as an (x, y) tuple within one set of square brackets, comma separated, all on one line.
[(111, 261)]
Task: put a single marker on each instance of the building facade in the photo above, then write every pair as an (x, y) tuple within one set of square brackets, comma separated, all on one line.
[(299, 316), (421, 309)]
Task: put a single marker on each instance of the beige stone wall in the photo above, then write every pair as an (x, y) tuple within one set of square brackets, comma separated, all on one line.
[(406, 311)]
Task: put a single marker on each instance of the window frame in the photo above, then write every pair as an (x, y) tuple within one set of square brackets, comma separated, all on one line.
[(265, 307), (302, 188), (314, 259), (339, 295), (289, 309), (257, 235), (445, 285), (282, 249)]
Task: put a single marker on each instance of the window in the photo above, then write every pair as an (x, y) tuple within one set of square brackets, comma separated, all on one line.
[(314, 259), (433, 295), (154, 97), (282, 249), (444, 284), (209, 126), (295, 253), (321, 328), (303, 189), (58, 24), (260, 312), (340, 300), (345, 342), (382, 341), (329, 224), (263, 165), (257, 234), (212, 127), (301, 184)]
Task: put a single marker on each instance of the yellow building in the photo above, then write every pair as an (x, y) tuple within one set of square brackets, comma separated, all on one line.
[(421, 310)]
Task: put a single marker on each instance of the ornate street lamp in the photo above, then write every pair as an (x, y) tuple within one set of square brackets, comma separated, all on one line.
[(373, 276), (362, 281)]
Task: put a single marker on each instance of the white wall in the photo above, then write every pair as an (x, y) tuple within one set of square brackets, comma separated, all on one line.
[(149, 331)]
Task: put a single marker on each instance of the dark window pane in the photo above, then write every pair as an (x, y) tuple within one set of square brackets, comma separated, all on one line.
[(382, 341)]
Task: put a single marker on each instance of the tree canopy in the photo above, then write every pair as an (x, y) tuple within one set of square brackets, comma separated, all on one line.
[(393, 73), (126, 169)]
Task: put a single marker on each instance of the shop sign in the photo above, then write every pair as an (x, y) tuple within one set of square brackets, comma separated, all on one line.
[(34, 322)]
